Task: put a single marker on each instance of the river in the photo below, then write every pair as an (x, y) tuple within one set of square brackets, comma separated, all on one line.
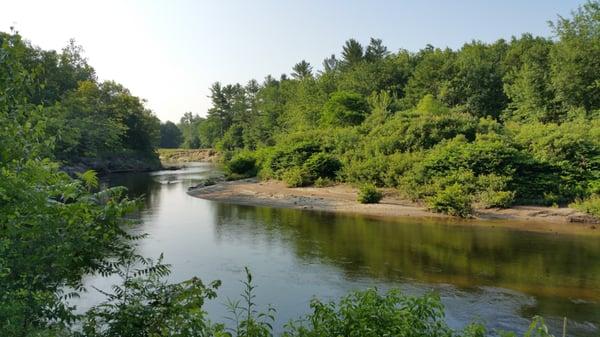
[(499, 277)]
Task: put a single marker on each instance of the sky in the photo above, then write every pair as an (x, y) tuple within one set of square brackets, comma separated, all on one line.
[(170, 52)]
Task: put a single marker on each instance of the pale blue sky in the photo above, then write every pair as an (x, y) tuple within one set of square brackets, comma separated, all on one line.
[(169, 52)]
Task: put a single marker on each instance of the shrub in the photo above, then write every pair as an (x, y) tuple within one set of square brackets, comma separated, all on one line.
[(345, 108), (323, 182), (398, 165), (369, 194), (286, 156), (367, 313), (295, 177), (452, 200), (409, 131), (322, 165), (493, 191), (242, 164), (501, 199), (590, 205), (370, 169)]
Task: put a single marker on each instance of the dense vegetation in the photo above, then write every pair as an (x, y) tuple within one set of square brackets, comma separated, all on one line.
[(93, 124), (487, 125), (170, 135), (55, 229)]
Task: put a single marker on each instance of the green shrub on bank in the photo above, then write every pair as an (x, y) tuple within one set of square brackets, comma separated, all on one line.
[(322, 165), (296, 177), (452, 200), (324, 182), (590, 205), (500, 199), (362, 168), (497, 119), (242, 165), (286, 156), (369, 194), (493, 191)]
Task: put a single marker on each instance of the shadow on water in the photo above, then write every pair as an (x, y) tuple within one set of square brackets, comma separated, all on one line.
[(500, 277)]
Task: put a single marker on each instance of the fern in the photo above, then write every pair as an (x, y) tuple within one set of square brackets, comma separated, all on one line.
[(89, 179)]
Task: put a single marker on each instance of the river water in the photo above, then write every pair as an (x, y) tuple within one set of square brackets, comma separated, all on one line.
[(499, 277)]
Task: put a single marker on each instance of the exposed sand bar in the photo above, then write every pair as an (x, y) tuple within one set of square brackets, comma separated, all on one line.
[(342, 198)]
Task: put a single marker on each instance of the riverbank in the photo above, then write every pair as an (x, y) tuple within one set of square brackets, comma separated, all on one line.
[(114, 164), (342, 198), (178, 156)]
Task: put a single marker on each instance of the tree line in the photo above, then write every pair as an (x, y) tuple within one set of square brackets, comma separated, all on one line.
[(487, 125), (56, 228), (98, 124)]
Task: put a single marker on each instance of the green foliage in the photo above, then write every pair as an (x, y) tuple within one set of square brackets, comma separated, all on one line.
[(248, 322), (146, 305), (324, 182), (288, 156), (453, 200), (574, 66), (590, 205), (352, 53), (419, 130), (302, 70), (345, 108), (513, 122), (537, 328), (493, 191), (296, 177), (564, 159), (170, 136), (89, 178), (367, 313), (369, 194), (87, 121), (322, 165), (242, 164), (54, 230), (429, 104)]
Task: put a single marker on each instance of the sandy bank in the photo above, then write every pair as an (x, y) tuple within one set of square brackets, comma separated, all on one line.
[(342, 198), (174, 156)]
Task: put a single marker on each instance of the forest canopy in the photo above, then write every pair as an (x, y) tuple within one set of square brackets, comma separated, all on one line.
[(490, 124), (91, 123), (487, 125)]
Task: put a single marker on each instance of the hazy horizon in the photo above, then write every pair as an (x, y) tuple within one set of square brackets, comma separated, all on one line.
[(169, 53)]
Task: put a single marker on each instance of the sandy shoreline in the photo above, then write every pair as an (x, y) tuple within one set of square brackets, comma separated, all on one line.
[(342, 198)]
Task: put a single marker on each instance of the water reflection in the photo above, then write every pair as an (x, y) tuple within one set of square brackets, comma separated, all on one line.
[(429, 251), (501, 277), (561, 272)]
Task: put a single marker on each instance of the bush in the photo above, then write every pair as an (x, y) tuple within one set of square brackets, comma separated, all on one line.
[(501, 199), (365, 168), (242, 165), (367, 313), (590, 205), (452, 200), (295, 177), (322, 165), (284, 157), (345, 108), (494, 191), (368, 194), (323, 182)]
